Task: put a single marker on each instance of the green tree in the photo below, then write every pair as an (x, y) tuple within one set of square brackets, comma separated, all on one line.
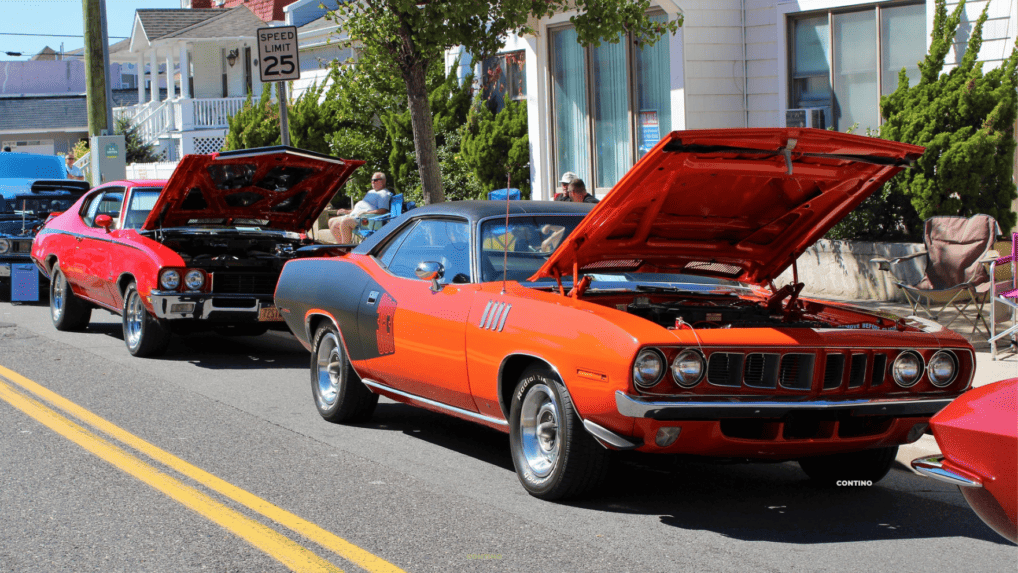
[(965, 119), (255, 125), (407, 35), (497, 146), (137, 150)]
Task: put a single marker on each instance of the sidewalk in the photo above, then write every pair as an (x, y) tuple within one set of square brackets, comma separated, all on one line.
[(987, 369)]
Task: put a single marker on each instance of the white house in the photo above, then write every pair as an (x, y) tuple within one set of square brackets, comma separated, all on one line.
[(734, 63)]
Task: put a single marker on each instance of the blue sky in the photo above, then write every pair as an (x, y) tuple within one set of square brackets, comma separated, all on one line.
[(63, 17)]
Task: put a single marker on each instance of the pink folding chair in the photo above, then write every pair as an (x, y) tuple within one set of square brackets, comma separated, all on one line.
[(1004, 292)]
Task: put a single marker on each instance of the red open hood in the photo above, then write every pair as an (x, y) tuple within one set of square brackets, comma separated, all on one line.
[(272, 187), (739, 204)]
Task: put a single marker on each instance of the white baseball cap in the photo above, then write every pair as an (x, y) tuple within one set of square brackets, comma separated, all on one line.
[(568, 177)]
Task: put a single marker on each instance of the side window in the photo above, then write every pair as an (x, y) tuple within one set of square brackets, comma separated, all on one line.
[(443, 241), (106, 203)]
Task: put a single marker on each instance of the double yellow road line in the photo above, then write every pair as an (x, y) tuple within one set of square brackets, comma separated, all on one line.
[(25, 395)]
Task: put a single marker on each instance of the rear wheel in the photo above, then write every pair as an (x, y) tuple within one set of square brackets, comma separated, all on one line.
[(555, 457), (68, 312), (339, 394), (867, 465), (144, 334)]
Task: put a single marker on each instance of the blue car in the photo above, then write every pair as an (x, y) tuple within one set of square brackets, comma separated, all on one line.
[(32, 186)]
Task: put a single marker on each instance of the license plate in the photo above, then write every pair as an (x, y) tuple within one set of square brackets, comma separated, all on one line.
[(269, 314)]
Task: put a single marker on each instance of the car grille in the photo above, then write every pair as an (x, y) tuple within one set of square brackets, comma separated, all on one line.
[(796, 370), (244, 283)]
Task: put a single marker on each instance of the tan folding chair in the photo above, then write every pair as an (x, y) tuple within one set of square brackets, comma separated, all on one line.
[(955, 273), (1005, 292)]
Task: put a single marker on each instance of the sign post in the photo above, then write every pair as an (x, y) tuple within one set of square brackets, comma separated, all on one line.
[(279, 62)]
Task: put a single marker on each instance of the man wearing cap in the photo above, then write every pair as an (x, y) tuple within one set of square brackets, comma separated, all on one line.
[(563, 192)]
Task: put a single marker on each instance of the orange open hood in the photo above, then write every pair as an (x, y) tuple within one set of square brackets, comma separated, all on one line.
[(739, 204)]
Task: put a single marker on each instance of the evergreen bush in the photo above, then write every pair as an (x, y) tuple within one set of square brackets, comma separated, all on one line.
[(497, 146)]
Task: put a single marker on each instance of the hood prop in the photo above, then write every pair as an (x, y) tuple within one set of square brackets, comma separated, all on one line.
[(787, 152)]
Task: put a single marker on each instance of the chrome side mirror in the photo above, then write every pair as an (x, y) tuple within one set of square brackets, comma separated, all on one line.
[(431, 271)]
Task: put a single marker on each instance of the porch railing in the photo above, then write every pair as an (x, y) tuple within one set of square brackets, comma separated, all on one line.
[(156, 119)]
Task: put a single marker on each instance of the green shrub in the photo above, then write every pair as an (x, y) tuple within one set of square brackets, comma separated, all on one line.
[(496, 146)]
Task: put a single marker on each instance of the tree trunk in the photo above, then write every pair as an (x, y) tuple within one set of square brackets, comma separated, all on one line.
[(424, 135)]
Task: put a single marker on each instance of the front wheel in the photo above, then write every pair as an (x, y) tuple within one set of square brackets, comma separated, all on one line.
[(555, 457), (866, 466), (68, 312), (144, 334), (339, 394)]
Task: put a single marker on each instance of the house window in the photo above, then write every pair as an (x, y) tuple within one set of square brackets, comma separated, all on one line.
[(843, 61), (611, 104), (503, 76)]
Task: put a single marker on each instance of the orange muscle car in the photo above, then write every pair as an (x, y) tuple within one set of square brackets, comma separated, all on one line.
[(649, 321)]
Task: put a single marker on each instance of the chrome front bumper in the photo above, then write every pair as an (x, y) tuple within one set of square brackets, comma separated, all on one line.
[(203, 306), (933, 467), (715, 409)]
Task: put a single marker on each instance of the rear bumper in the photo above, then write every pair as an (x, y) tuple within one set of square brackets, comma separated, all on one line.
[(214, 307), (673, 410)]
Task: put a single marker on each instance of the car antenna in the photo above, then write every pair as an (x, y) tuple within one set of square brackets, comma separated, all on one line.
[(505, 237)]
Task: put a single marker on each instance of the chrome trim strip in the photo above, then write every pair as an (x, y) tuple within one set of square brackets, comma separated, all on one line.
[(932, 467), (484, 316), (501, 321), (491, 317), (613, 439), (713, 409), (382, 387)]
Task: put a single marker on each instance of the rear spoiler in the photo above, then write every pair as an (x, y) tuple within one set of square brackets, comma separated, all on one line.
[(69, 185)]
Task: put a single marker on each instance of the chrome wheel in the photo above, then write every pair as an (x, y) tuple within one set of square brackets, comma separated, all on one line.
[(57, 297), (134, 318), (330, 371), (539, 430)]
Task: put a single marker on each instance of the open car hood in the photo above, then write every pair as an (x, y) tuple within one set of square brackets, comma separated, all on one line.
[(271, 187), (739, 204)]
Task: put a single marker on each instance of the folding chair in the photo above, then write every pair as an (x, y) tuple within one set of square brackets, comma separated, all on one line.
[(368, 225), (1004, 292), (955, 274)]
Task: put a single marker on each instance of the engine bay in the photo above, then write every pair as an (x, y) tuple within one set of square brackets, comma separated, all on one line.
[(718, 312), (232, 250)]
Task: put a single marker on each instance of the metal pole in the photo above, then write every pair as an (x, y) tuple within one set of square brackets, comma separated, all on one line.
[(284, 122), (106, 68)]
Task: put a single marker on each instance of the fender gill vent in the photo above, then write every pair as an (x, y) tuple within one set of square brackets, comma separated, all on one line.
[(494, 316)]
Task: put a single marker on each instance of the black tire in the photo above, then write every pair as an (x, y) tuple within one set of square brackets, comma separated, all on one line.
[(339, 394), (555, 457), (868, 465), (144, 334), (68, 312)]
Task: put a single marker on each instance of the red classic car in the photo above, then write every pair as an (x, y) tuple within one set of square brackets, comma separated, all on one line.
[(649, 321), (978, 438), (202, 250)]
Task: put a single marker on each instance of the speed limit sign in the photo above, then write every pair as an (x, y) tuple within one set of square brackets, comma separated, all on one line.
[(277, 50)]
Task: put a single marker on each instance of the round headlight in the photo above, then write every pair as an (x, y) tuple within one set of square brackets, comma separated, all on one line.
[(943, 368), (5, 246), (688, 368), (170, 279), (648, 368), (907, 368), (194, 279)]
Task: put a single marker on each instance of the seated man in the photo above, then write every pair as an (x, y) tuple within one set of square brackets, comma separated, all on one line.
[(376, 202)]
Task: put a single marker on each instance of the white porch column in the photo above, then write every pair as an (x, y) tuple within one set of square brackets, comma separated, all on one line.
[(185, 68), (153, 97), (141, 77), (171, 88)]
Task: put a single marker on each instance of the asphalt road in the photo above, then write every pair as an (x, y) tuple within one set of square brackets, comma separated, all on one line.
[(412, 490)]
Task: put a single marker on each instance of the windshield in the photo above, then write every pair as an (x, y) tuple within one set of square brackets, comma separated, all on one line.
[(31, 166), (142, 201), (521, 247)]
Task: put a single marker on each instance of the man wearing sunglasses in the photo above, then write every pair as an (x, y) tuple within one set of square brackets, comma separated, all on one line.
[(375, 202)]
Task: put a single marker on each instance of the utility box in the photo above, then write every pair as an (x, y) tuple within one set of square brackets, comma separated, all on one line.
[(24, 282), (108, 158)]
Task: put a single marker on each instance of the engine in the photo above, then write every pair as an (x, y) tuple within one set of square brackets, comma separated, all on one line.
[(238, 250), (717, 313)]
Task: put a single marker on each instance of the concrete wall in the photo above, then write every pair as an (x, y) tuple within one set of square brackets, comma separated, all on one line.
[(842, 270)]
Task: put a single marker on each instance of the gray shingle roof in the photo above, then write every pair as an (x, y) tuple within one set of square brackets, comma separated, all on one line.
[(30, 114), (160, 22), (232, 23)]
